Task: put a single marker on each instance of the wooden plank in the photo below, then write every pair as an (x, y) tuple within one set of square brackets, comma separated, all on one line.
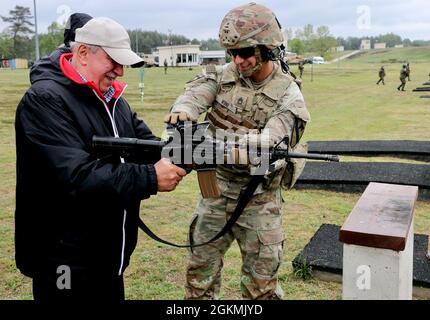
[(382, 217)]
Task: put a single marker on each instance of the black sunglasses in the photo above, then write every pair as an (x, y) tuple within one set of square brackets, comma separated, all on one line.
[(244, 53)]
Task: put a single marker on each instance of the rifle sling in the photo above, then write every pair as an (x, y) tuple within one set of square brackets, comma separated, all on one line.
[(243, 200)]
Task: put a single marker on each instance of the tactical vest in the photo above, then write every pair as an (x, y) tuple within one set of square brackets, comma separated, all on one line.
[(241, 109)]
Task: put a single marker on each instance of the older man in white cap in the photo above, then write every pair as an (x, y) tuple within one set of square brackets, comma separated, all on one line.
[(77, 213), (102, 66)]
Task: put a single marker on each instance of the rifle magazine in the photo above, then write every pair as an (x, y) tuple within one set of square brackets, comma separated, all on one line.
[(208, 184)]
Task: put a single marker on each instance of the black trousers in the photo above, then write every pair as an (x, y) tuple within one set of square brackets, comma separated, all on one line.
[(77, 285)]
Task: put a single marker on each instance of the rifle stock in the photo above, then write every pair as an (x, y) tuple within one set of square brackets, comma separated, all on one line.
[(124, 147)]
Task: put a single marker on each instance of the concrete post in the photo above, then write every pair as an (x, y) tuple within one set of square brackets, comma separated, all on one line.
[(378, 239), (378, 274)]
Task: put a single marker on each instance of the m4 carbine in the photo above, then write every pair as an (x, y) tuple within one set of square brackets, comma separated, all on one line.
[(192, 148)]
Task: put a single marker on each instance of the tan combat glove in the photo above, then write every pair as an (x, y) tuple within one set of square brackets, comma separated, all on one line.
[(175, 117)]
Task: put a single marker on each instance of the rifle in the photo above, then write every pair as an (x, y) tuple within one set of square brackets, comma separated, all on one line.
[(185, 153), (192, 148)]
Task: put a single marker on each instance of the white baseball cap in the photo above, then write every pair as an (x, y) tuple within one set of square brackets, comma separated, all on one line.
[(112, 37)]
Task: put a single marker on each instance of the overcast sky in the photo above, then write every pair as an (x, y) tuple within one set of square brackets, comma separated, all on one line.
[(200, 19)]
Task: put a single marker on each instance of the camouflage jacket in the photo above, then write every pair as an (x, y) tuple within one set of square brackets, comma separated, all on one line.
[(276, 105)]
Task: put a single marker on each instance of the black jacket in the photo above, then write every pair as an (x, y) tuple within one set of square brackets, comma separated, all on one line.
[(72, 208)]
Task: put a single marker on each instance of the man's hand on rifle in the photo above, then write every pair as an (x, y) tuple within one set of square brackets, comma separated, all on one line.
[(175, 117), (168, 175)]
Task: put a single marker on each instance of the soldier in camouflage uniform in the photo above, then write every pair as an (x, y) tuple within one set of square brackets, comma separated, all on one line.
[(403, 75), (408, 72), (254, 94), (381, 76), (301, 68)]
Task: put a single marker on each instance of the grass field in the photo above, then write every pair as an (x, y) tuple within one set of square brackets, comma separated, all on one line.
[(344, 103)]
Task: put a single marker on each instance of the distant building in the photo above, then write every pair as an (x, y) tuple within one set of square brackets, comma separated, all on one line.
[(179, 56), (381, 45), (337, 49), (212, 57), (398, 46), (188, 56), (365, 44), (149, 60), (14, 63)]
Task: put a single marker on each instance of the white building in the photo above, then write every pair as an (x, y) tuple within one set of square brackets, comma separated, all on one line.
[(188, 56), (337, 49), (178, 56), (381, 45), (212, 57), (365, 44)]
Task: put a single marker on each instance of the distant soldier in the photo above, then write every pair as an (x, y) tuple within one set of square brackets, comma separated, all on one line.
[(403, 75), (381, 76), (408, 71), (301, 68), (165, 66)]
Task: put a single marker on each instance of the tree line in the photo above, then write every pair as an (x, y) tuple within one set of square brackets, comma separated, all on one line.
[(320, 41), (17, 40)]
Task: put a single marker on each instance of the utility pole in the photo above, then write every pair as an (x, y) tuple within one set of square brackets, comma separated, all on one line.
[(171, 48), (35, 31), (137, 44), (312, 72)]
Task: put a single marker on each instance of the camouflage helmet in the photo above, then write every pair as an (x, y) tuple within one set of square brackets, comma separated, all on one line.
[(250, 25)]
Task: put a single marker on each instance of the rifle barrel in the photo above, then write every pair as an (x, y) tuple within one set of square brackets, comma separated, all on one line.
[(127, 142), (311, 156)]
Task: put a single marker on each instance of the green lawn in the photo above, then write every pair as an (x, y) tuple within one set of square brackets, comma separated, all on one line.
[(344, 103)]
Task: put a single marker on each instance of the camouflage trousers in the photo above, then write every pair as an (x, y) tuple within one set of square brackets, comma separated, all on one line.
[(402, 84), (259, 235)]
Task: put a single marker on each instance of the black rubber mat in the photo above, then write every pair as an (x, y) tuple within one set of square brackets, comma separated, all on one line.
[(324, 252)]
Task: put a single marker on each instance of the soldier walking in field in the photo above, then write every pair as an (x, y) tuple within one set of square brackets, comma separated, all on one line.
[(408, 72), (301, 68), (381, 76), (165, 66), (403, 75)]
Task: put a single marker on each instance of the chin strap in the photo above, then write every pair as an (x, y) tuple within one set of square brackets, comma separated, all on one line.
[(279, 54)]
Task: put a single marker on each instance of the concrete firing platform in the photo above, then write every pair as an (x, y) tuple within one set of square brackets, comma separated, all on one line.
[(410, 149), (355, 176), (324, 254)]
